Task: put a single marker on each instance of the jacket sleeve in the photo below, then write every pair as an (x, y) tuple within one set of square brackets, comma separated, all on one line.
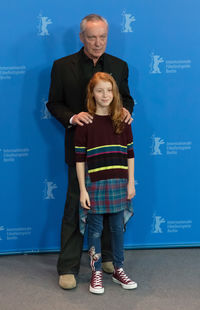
[(127, 100), (56, 102)]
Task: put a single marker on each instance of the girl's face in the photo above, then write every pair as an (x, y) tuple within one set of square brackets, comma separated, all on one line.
[(103, 95)]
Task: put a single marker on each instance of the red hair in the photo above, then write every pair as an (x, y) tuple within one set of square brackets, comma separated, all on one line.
[(115, 108)]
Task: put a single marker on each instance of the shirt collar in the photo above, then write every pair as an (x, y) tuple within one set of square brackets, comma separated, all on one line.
[(87, 59)]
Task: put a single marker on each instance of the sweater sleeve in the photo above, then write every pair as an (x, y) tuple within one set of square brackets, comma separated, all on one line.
[(130, 151), (80, 143)]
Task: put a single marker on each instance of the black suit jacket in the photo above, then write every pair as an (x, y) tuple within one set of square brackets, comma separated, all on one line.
[(67, 92)]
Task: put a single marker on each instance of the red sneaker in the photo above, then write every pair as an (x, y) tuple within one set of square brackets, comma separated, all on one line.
[(121, 278), (96, 283)]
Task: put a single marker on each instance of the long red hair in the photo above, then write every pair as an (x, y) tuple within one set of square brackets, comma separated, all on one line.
[(115, 108)]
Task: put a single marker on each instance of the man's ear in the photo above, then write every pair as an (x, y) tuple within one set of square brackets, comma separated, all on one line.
[(81, 36)]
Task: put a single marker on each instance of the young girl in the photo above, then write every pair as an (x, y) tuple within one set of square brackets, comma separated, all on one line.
[(107, 180)]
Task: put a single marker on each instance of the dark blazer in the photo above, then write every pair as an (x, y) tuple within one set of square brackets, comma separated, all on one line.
[(67, 92)]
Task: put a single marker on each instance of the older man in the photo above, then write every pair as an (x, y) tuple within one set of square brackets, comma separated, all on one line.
[(69, 78)]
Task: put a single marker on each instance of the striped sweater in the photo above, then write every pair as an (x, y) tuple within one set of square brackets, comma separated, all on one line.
[(105, 152)]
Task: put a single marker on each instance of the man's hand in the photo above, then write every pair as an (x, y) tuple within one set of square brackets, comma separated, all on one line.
[(82, 118), (127, 116)]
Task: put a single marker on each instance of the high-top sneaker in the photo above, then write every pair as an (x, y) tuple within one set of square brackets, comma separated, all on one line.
[(121, 278), (96, 284)]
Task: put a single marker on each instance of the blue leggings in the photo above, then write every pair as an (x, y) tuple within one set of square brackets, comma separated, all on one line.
[(95, 227)]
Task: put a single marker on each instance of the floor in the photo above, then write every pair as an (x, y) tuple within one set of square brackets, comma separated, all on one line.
[(168, 279)]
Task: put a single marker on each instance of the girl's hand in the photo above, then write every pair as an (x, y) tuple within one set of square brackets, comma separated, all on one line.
[(85, 200), (131, 190)]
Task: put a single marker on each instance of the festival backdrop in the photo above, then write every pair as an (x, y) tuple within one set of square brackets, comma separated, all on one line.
[(160, 40)]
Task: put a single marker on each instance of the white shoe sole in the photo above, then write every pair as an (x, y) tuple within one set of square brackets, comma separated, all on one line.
[(96, 291), (125, 286)]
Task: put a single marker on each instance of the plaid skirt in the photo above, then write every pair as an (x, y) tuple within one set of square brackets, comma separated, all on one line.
[(106, 196)]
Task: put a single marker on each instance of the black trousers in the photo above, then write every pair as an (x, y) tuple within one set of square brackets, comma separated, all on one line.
[(71, 238)]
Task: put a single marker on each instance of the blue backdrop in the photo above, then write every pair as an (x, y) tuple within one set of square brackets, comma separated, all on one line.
[(160, 42)]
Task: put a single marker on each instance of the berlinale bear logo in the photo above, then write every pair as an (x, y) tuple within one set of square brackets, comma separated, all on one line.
[(127, 20), (155, 147), (156, 227), (45, 114), (1, 229), (44, 21), (48, 191), (156, 60)]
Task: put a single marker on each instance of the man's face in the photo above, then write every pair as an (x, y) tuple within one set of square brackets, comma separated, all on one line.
[(94, 39)]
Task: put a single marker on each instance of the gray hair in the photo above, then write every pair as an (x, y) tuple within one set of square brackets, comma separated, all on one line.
[(91, 17)]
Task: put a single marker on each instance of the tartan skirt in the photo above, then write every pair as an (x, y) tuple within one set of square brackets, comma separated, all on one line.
[(106, 196)]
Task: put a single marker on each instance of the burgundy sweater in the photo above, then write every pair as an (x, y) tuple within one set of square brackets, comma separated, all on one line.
[(105, 152)]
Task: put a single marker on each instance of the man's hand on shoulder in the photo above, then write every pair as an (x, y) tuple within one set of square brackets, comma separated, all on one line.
[(82, 118), (127, 116)]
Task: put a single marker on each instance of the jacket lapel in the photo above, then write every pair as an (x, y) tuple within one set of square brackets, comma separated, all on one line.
[(76, 67), (111, 68), (76, 70), (107, 64)]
